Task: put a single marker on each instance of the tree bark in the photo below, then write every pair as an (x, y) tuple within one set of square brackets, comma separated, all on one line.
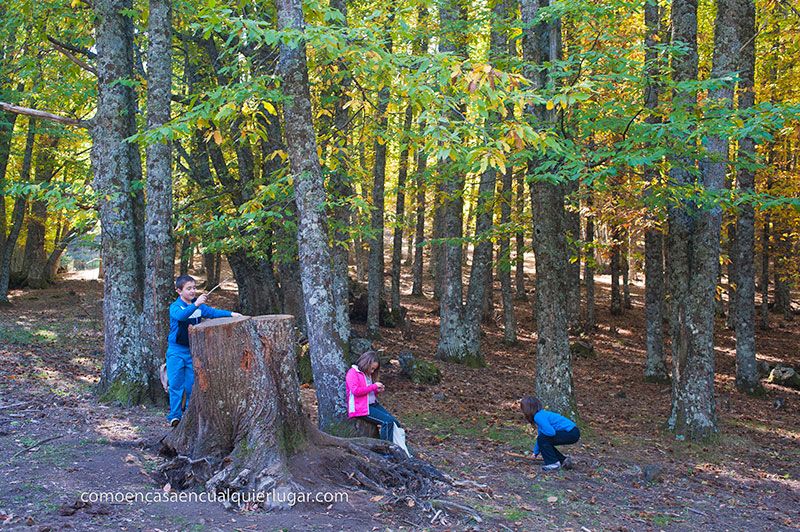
[(187, 249), (34, 265), (693, 242), (399, 217), (655, 368), (325, 346), (589, 320), (245, 431), (244, 417), (159, 244), (258, 288), (542, 43), (572, 226), (9, 240), (626, 269), (764, 314), (459, 324), (125, 375), (519, 252), (504, 262), (616, 297), (422, 166), (343, 190), (375, 275), (739, 18)]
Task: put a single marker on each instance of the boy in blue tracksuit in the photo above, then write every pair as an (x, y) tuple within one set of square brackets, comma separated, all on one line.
[(553, 429), (186, 310)]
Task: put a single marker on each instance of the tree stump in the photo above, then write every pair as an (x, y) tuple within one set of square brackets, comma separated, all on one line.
[(244, 414), (245, 430)]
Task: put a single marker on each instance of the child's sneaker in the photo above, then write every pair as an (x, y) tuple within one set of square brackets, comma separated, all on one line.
[(567, 463), (174, 422), (551, 467)]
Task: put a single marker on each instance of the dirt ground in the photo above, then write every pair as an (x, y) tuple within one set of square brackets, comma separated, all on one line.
[(57, 442)]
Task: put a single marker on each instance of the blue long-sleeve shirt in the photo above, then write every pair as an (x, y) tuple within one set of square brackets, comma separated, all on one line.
[(184, 314), (547, 423)]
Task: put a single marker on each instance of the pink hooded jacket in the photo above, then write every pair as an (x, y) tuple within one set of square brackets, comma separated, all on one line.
[(358, 392)]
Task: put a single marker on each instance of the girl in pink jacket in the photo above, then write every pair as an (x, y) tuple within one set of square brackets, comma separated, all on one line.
[(361, 394)]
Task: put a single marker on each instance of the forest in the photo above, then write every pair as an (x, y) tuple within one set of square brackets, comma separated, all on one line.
[(596, 203)]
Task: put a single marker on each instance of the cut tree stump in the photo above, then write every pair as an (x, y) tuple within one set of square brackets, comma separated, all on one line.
[(245, 430)]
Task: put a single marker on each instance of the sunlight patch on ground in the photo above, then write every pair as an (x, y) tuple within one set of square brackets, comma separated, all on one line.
[(117, 429)]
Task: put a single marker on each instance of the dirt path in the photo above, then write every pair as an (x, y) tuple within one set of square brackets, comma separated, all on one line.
[(630, 473)]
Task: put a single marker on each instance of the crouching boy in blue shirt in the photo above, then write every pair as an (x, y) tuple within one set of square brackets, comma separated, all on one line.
[(186, 310), (553, 429)]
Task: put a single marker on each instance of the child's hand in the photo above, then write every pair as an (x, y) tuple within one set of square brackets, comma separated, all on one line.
[(381, 387), (235, 315), (201, 299)]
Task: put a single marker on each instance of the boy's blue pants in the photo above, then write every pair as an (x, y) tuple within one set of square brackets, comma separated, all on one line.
[(180, 374), (381, 417)]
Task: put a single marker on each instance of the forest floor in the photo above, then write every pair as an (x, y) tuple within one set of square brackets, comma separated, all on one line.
[(57, 441)]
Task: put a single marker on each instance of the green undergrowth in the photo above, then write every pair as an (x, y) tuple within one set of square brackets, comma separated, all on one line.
[(21, 336), (518, 436)]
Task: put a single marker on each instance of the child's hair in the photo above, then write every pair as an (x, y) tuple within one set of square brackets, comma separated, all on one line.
[(366, 360), (181, 281), (530, 405)]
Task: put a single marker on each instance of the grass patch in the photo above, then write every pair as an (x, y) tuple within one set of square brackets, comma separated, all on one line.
[(518, 436), (21, 336)]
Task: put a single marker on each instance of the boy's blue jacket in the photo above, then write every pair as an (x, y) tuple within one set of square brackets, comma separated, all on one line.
[(181, 315), (547, 423)]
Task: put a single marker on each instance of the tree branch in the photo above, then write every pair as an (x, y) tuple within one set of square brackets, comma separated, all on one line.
[(75, 59), (72, 48), (11, 108)]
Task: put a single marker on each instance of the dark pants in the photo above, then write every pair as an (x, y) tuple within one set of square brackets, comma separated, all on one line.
[(547, 444), (381, 417)]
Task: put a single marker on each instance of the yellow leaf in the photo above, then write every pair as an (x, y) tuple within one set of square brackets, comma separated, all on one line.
[(202, 123), (563, 104), (75, 3), (217, 137), (550, 105), (270, 108)]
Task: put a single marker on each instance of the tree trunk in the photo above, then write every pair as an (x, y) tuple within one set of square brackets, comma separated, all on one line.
[(741, 15), (422, 165), (616, 298), (186, 255), (655, 368), (783, 261), (399, 215), (9, 240), (519, 254), (572, 226), (590, 320), (732, 276), (693, 242), (159, 244), (504, 262), (258, 288), (343, 190), (325, 346), (375, 276), (764, 315), (125, 375), (459, 324), (34, 264), (626, 269), (210, 266), (542, 43)]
